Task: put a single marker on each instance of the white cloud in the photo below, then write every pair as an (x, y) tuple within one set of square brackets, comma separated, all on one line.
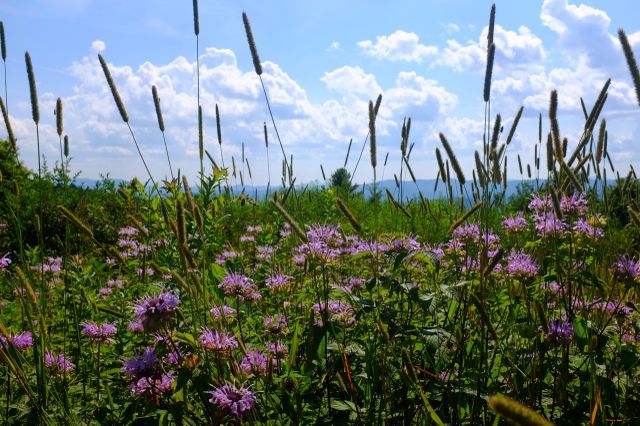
[(348, 79), (451, 27), (398, 46), (419, 98), (585, 31), (514, 50), (333, 47), (97, 46)]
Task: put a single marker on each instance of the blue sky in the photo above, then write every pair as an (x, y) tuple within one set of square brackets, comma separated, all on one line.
[(323, 61)]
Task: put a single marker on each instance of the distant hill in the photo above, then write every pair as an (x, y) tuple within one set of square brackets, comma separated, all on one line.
[(410, 189)]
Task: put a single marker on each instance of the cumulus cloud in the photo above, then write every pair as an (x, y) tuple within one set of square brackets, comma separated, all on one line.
[(308, 130), (514, 50), (398, 46), (585, 31), (451, 27), (418, 97), (348, 79), (97, 46)]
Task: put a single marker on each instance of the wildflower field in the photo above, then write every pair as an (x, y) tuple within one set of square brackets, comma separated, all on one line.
[(167, 303)]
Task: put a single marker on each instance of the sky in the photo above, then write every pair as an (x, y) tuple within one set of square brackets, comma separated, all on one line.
[(323, 61)]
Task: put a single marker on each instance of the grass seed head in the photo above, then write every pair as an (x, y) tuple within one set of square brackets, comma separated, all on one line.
[(114, 89), (35, 111), (252, 45)]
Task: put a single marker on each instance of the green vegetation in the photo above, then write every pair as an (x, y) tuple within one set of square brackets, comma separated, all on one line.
[(149, 304)]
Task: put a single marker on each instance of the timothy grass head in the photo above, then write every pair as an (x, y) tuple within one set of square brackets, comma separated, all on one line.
[(35, 111), (196, 18), (252, 44), (631, 61), (59, 127), (156, 103), (114, 89), (3, 42), (491, 53)]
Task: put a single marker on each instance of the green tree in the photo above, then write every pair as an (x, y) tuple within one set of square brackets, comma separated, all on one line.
[(341, 181)]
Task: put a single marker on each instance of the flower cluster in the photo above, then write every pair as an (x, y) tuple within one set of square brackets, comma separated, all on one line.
[(521, 265), (145, 376), (223, 311), (157, 311), (4, 262), (20, 342), (239, 285), (279, 282), (339, 312), (233, 400), (99, 333), (255, 363), (560, 332), (58, 365), (217, 341)]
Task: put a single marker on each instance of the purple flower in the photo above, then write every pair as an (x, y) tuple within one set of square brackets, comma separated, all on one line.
[(135, 327), (278, 282), (99, 333), (105, 292), (226, 255), (117, 283), (247, 238), (254, 229), (156, 311), (286, 230), (58, 365), (627, 267), (128, 230), (274, 325), (239, 285), (407, 243), (254, 362), (339, 312), (21, 341), (233, 400), (222, 311), (265, 252), (575, 204), (212, 340), (278, 350), (152, 387), (323, 233), (540, 205), (548, 225), (470, 232), (584, 227), (521, 265), (514, 224), (560, 332), (4, 262), (142, 365)]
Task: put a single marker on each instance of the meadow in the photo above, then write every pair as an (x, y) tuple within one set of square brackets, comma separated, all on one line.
[(177, 302)]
